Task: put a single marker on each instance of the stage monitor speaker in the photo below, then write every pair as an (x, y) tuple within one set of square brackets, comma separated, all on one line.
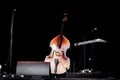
[(33, 68)]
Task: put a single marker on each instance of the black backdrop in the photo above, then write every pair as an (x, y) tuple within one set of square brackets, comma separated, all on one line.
[(35, 26)]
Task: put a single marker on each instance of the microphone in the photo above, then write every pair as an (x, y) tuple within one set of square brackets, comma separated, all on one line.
[(94, 29), (75, 44), (14, 10), (56, 63)]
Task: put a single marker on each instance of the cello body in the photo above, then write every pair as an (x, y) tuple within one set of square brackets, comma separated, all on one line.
[(59, 62)]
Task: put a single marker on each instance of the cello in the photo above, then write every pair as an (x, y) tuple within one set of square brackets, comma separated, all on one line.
[(59, 62)]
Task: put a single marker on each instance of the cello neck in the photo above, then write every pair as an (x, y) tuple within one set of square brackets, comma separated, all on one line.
[(61, 31)]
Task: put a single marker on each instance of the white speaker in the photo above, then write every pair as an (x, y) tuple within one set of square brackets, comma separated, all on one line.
[(33, 68)]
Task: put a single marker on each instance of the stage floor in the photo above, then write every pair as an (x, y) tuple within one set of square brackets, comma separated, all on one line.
[(69, 76)]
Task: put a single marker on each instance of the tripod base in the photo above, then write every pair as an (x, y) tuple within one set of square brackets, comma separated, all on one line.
[(86, 71)]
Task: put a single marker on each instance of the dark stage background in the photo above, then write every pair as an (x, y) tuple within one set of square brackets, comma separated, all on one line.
[(35, 26)]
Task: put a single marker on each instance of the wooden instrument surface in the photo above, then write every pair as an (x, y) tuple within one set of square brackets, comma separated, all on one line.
[(59, 62)]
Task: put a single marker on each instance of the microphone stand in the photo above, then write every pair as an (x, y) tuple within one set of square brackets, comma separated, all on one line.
[(11, 42), (84, 54), (85, 70)]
